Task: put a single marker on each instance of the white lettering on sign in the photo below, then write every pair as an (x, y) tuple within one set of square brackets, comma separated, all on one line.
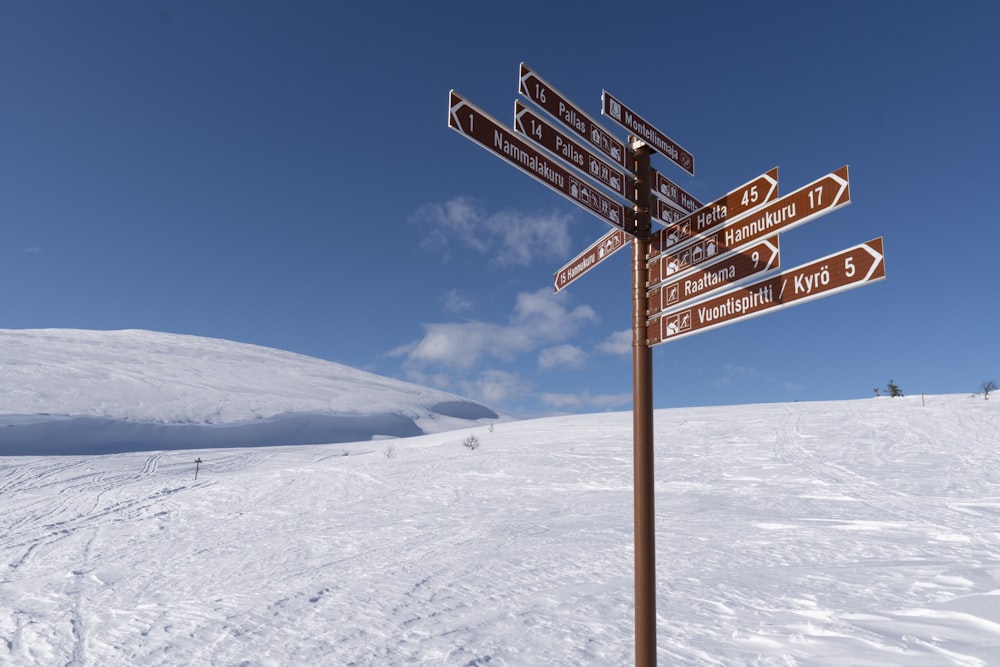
[(649, 135), (530, 162), (568, 151), (736, 305), (710, 218), (709, 279), (758, 225), (569, 117)]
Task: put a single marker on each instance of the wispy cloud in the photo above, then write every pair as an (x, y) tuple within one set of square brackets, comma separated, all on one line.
[(586, 401), (456, 301), (562, 356), (33, 250), (508, 238), (538, 319), (733, 373), (618, 343)]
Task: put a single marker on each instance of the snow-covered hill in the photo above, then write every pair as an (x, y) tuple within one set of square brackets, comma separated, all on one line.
[(842, 533), (73, 391)]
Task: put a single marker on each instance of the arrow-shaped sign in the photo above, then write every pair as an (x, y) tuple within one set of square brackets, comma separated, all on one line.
[(761, 257), (644, 130), (600, 250), (558, 106), (835, 273), (692, 227), (479, 126)]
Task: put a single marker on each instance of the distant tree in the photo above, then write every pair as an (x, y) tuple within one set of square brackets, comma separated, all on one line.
[(893, 389), (472, 442), (987, 386), (876, 392)]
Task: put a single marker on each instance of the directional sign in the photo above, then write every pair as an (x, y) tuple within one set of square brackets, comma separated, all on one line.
[(658, 141), (668, 191), (552, 101), (477, 125), (745, 198), (666, 213), (541, 132), (600, 250), (835, 273), (758, 258)]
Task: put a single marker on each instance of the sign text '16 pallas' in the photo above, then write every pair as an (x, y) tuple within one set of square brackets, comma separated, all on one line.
[(477, 125), (558, 106), (761, 257), (845, 270), (598, 251)]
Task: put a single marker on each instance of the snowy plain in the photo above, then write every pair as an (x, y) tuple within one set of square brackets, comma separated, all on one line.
[(858, 532)]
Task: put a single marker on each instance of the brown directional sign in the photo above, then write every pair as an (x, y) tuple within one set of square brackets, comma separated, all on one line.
[(845, 270), (477, 125), (621, 114), (758, 258), (666, 213), (695, 225), (544, 134), (553, 102), (667, 191), (600, 250)]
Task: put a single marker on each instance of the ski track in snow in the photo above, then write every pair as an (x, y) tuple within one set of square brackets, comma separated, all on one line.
[(855, 532)]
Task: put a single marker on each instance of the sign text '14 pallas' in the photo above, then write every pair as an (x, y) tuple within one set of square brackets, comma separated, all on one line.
[(545, 135), (477, 125), (845, 270)]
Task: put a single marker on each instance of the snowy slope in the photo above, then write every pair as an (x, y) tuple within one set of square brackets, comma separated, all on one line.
[(842, 533), (66, 391)]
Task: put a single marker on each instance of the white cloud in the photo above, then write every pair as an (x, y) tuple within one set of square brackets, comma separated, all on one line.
[(509, 237), (456, 301), (586, 400), (539, 319), (618, 343), (561, 355), (495, 387)]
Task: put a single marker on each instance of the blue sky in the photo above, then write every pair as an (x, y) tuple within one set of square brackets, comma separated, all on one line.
[(283, 174)]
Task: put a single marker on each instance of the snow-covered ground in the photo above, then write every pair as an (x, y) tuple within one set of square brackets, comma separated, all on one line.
[(861, 532)]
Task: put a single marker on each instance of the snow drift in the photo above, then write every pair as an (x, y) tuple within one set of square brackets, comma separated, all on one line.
[(75, 391)]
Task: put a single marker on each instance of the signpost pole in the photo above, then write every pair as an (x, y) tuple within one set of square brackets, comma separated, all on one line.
[(642, 424)]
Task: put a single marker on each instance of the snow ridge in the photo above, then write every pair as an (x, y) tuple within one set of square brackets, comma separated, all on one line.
[(77, 391)]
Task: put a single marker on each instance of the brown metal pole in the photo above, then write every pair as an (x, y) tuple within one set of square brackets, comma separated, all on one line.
[(642, 425)]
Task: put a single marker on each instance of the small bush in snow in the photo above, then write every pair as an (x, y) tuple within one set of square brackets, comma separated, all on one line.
[(893, 389), (390, 451), (472, 442), (987, 386)]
